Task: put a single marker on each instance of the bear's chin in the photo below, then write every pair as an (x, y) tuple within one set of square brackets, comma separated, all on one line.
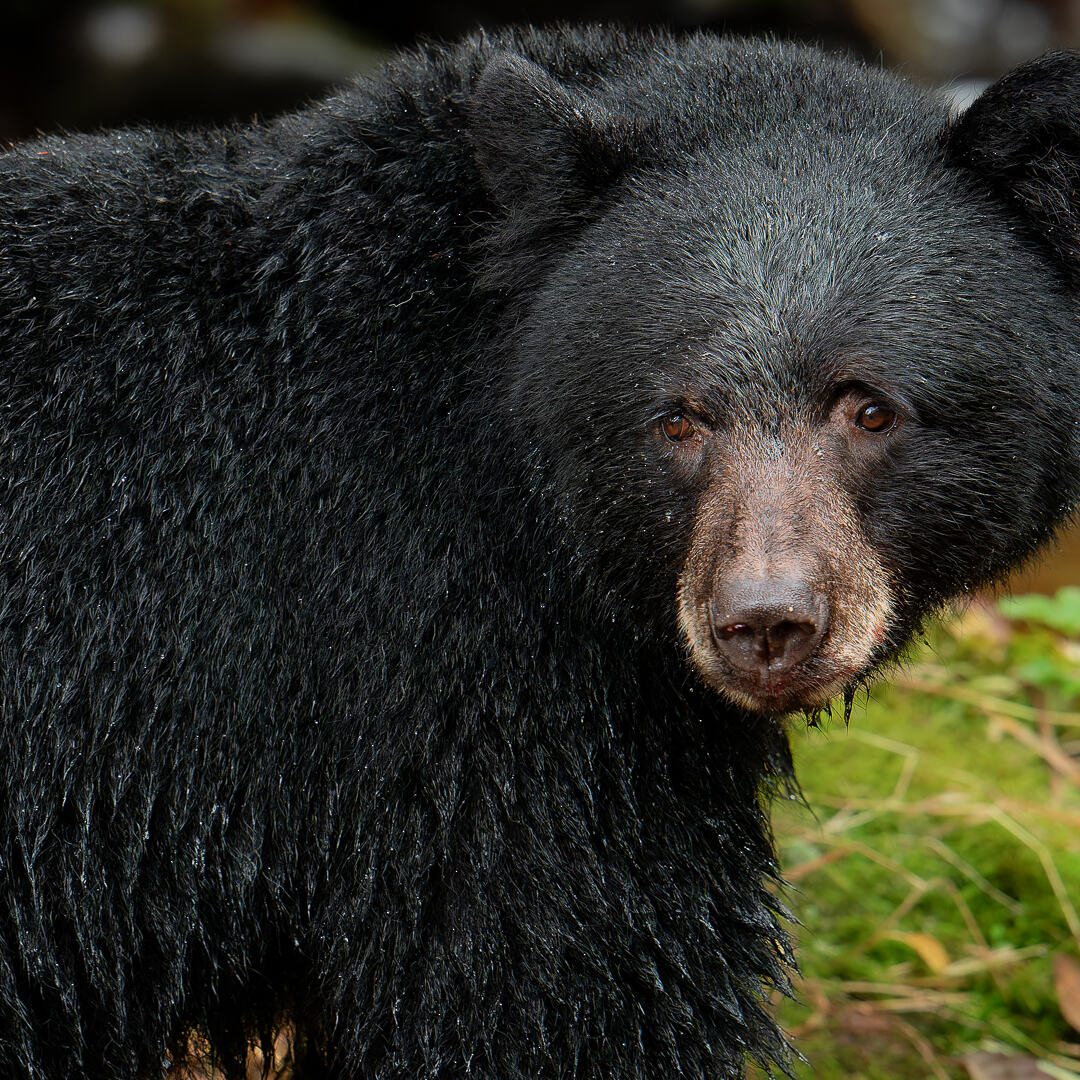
[(805, 689), (785, 699)]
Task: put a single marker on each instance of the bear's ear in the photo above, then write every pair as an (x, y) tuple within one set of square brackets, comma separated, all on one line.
[(541, 147), (1022, 135)]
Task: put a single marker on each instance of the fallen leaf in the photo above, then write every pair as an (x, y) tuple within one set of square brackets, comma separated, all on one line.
[(982, 1065), (931, 952), (1067, 985)]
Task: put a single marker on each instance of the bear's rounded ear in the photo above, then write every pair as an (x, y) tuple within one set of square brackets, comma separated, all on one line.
[(1022, 136), (539, 144)]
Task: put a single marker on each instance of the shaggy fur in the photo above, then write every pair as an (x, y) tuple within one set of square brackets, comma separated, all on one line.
[(344, 680)]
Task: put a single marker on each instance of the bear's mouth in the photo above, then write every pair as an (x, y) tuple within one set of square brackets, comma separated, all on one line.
[(797, 690)]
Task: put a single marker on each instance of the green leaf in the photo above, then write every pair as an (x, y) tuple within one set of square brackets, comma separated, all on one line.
[(1061, 612)]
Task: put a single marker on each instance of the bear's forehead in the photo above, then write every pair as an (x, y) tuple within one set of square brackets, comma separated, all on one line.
[(767, 248)]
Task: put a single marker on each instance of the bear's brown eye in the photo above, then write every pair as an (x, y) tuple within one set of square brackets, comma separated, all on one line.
[(876, 417), (677, 427)]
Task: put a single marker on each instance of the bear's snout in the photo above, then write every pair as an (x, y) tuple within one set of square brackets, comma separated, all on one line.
[(783, 601)]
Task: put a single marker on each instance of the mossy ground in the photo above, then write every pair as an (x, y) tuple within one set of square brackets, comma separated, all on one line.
[(936, 873)]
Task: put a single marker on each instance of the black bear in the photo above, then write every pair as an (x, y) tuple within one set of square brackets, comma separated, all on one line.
[(420, 512)]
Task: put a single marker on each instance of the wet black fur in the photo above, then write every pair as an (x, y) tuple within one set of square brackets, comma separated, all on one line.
[(339, 674)]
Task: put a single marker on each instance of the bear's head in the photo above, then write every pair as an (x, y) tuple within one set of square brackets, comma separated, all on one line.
[(794, 355)]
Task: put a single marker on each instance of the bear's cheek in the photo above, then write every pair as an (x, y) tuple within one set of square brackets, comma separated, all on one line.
[(782, 600)]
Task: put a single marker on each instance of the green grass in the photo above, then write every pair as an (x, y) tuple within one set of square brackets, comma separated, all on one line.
[(939, 871)]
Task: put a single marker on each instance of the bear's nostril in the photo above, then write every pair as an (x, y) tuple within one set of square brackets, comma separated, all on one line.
[(765, 628)]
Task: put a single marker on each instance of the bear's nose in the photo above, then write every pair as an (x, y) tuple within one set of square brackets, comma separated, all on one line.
[(765, 628)]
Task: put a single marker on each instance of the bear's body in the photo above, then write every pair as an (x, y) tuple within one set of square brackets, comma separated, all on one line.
[(398, 502)]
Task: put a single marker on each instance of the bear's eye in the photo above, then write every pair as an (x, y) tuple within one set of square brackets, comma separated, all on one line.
[(676, 427), (877, 417)]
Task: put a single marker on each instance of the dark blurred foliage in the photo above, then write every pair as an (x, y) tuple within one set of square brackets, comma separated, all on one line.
[(93, 63)]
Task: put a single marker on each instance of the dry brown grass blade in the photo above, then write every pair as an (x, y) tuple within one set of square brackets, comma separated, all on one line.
[(1047, 748), (796, 873), (988, 703)]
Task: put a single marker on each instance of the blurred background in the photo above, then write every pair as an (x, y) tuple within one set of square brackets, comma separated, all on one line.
[(936, 874), (85, 63)]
